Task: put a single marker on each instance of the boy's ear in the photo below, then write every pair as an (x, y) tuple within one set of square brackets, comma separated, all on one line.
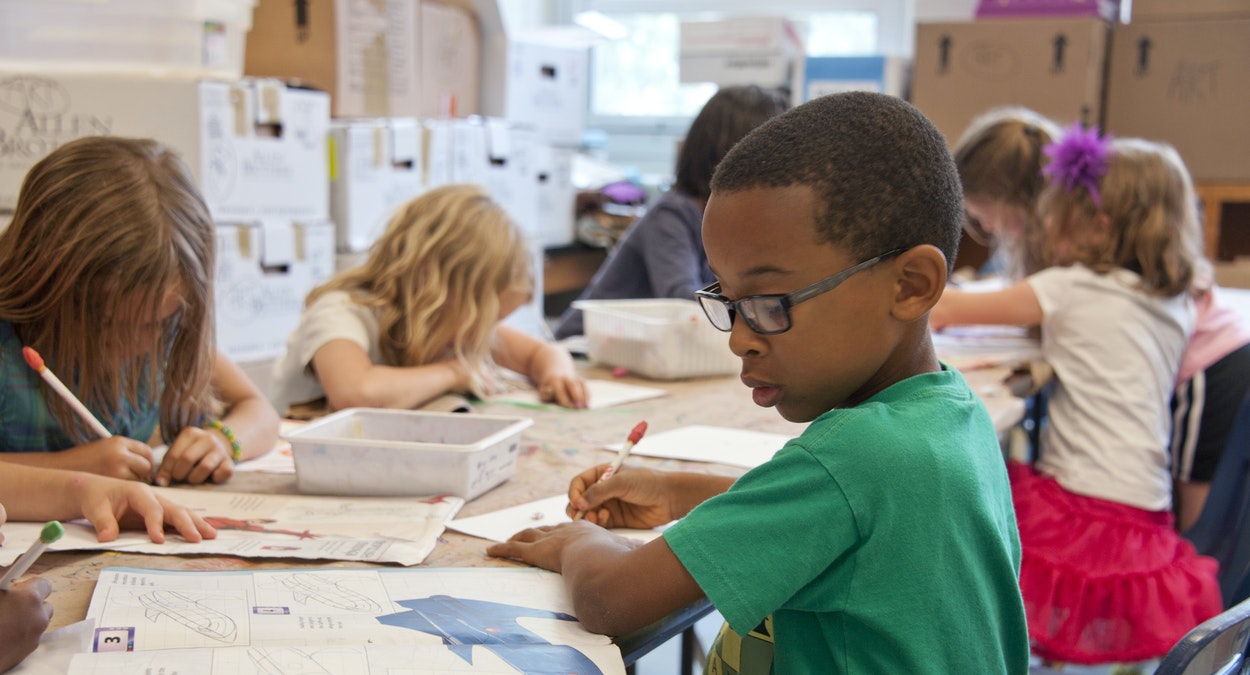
[(921, 280)]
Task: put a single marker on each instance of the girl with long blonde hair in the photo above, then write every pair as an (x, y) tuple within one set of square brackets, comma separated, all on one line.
[(106, 271), (421, 317)]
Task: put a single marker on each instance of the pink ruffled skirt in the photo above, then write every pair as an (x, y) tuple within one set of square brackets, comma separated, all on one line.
[(1104, 582)]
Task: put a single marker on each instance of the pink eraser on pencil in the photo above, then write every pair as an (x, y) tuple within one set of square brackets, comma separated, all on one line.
[(636, 434), (33, 359)]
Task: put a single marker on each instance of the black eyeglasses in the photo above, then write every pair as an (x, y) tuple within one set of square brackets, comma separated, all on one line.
[(770, 314)]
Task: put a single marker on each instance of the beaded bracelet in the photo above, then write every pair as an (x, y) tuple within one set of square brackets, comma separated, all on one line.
[(236, 448)]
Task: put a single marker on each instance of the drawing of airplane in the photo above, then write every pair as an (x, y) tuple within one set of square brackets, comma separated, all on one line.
[(329, 592), (285, 661), (464, 623), (189, 612)]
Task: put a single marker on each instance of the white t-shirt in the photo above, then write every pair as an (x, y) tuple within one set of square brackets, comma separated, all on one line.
[(333, 316), (1116, 352)]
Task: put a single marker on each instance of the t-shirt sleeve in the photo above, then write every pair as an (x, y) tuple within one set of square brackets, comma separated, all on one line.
[(740, 546), (334, 316), (1049, 286)]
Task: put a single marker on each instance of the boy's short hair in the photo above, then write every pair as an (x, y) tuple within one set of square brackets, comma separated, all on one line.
[(880, 170)]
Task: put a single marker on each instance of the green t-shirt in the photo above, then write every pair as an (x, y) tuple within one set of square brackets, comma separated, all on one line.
[(882, 540)]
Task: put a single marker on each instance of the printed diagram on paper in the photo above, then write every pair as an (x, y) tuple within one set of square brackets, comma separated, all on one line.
[(376, 529), (300, 621)]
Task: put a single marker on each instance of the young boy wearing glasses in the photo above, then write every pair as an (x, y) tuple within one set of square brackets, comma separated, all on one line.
[(883, 538)]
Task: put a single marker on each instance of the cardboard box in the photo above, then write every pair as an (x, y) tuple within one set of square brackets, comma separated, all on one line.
[(363, 52), (448, 61), (1187, 83), (547, 89), (740, 51), (555, 207), (147, 37), (824, 75), (265, 269), (256, 148), (1188, 10), (438, 152), (741, 35), (376, 167), (370, 451), (1103, 9), (1054, 66)]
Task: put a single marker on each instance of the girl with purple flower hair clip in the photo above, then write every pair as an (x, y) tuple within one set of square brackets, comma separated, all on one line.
[(1105, 576)]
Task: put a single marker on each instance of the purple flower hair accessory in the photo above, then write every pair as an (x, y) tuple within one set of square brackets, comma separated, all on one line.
[(1079, 157)]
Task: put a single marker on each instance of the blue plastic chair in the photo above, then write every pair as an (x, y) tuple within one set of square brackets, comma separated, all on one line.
[(1222, 530), (1218, 646)]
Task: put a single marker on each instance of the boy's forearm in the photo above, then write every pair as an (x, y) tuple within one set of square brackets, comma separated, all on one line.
[(688, 490), (619, 585)]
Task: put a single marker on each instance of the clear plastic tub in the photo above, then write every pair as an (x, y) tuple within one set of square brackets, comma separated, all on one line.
[(193, 38), (663, 339), (370, 451)]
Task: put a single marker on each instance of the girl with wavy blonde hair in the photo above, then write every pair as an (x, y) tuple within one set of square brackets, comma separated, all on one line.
[(1094, 509), (106, 271), (421, 317)]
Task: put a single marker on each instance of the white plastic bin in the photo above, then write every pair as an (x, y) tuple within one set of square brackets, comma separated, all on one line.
[(369, 451), (663, 339), (193, 38)]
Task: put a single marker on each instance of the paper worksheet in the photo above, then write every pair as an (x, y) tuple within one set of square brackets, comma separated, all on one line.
[(279, 459), (701, 443), (502, 524), (383, 621), (603, 394), (249, 525), (970, 347)]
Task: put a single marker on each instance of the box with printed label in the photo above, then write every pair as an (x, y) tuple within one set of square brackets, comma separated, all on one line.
[(546, 89), (256, 147), (1054, 66), (264, 271), (363, 52), (740, 51), (824, 75), (1186, 83), (448, 61), (376, 167)]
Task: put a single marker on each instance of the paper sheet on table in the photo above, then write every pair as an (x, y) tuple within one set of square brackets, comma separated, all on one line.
[(603, 394), (722, 445), (56, 649), (501, 524), (970, 347), (278, 460), (377, 621), (249, 525)]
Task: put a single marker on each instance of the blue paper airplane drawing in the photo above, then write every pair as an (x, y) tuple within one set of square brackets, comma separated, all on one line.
[(464, 623)]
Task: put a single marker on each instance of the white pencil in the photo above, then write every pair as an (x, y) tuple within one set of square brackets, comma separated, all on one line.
[(34, 360), (634, 437), (50, 533)]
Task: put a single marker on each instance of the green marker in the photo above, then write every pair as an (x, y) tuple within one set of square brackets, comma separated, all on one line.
[(50, 533)]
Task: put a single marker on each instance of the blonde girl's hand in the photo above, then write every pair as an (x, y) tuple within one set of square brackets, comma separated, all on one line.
[(110, 504), (569, 391), (115, 457), (197, 455)]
